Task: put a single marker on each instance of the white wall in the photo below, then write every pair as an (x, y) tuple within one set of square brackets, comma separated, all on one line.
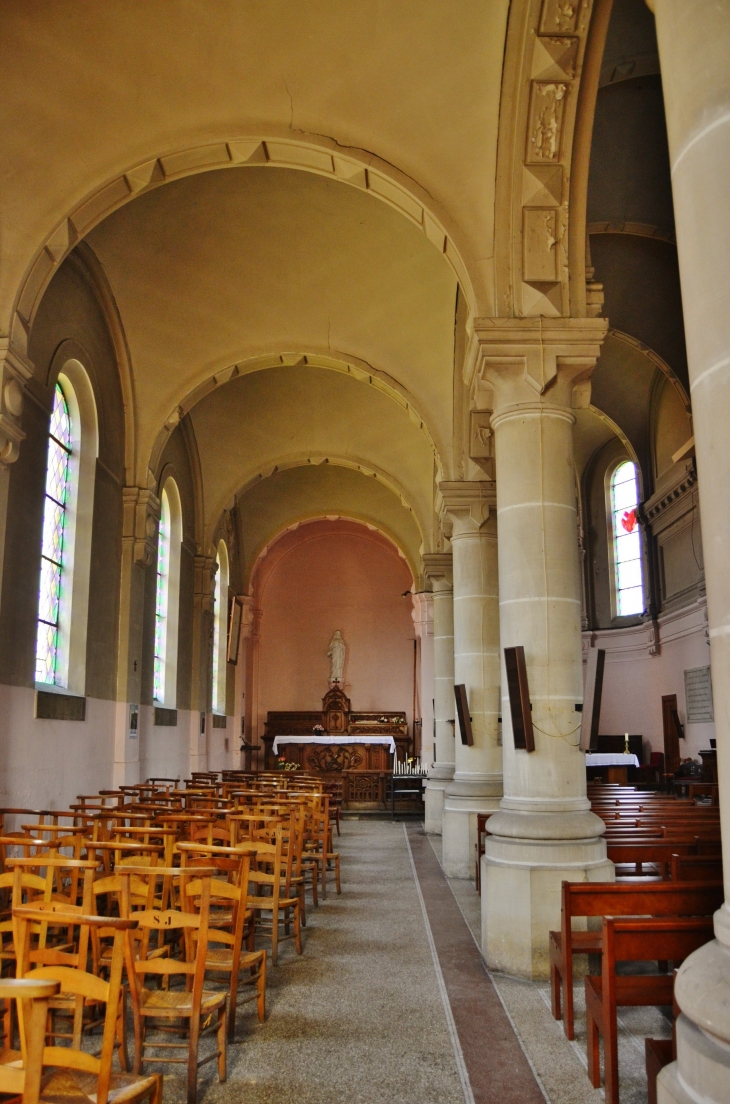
[(634, 681), (45, 764)]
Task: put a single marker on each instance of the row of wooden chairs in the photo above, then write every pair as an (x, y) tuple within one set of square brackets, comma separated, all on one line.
[(83, 871)]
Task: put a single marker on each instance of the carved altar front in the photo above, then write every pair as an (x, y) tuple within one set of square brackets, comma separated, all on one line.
[(363, 768)]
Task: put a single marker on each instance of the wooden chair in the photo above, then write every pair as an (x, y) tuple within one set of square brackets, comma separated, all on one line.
[(20, 1071), (230, 958), (633, 940), (584, 899), (195, 1004), (80, 1077), (284, 909)]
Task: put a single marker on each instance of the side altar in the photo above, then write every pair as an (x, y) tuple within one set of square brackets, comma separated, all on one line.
[(354, 748)]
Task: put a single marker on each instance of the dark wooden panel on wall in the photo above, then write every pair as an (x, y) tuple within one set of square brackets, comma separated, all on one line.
[(519, 698), (592, 699), (59, 707), (165, 717), (462, 712)]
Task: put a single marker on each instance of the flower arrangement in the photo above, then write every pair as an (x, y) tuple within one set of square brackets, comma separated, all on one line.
[(282, 763), (318, 730)]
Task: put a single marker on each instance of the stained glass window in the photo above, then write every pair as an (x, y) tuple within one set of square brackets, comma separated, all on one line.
[(55, 507), (216, 633), (161, 602), (626, 541)]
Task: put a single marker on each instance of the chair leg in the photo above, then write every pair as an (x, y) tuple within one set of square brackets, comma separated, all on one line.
[(568, 1014), (122, 1052), (593, 1044), (555, 990), (222, 1040), (261, 988), (232, 1001), (193, 1041), (274, 935), (337, 872), (297, 930), (610, 1058)]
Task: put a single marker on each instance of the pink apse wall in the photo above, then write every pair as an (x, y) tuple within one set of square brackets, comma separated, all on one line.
[(328, 575)]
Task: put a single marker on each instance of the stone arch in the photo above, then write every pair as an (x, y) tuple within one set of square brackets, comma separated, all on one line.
[(335, 361), (309, 153)]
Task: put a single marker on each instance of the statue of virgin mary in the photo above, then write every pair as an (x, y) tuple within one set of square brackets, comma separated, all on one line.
[(336, 654)]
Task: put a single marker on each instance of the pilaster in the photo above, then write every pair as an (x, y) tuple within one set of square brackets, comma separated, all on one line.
[(438, 570)]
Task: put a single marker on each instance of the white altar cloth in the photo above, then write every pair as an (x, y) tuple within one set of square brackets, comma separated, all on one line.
[(334, 741), (610, 759)]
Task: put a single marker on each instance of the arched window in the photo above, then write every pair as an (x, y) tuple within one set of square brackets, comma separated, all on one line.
[(68, 513), (53, 548), (167, 597), (627, 569), (220, 630)]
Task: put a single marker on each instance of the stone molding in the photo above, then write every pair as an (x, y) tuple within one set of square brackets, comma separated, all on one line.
[(247, 615), (535, 360), (540, 105), (141, 513), (438, 567), (422, 613), (468, 504), (673, 496), (15, 370)]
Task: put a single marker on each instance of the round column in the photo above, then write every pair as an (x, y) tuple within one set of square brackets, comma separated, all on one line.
[(544, 831), (477, 783), (694, 48), (438, 569)]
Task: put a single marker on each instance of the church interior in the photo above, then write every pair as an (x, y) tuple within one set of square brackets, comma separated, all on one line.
[(364, 604)]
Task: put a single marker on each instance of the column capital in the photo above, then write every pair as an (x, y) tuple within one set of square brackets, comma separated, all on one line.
[(141, 513), (15, 370), (537, 360), (438, 567), (422, 613), (468, 504)]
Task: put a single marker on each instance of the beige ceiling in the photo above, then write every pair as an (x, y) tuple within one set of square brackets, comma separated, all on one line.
[(91, 90), (300, 494), (218, 268), (302, 415)]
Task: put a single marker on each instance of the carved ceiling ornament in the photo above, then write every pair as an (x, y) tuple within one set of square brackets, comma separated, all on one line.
[(546, 46)]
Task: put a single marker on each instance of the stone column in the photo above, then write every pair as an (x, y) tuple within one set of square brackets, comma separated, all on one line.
[(477, 783), (544, 831), (422, 614), (437, 568), (694, 50), (141, 512), (202, 661)]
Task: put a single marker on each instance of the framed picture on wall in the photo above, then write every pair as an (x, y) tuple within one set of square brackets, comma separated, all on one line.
[(234, 629)]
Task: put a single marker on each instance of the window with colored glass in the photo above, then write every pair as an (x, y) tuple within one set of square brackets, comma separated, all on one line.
[(161, 600), (628, 575), (56, 504)]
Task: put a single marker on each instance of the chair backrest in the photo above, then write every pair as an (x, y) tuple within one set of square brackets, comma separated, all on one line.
[(32, 997), (82, 985)]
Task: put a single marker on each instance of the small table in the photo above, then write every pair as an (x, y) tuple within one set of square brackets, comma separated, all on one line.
[(617, 762), (401, 778)]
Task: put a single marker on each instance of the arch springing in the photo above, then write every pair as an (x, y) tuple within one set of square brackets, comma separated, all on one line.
[(626, 540)]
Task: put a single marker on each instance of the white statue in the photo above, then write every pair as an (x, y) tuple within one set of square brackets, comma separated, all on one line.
[(337, 654)]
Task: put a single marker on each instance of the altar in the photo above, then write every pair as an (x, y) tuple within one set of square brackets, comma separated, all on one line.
[(355, 750)]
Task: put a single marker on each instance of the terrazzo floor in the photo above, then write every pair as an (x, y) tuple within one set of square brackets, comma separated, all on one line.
[(369, 1014)]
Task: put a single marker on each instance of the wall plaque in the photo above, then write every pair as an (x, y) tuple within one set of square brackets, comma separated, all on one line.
[(698, 695)]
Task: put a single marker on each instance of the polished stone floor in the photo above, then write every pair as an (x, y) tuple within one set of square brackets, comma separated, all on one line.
[(390, 1002)]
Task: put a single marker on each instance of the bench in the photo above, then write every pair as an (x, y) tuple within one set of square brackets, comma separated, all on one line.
[(633, 940), (585, 899), (696, 868)]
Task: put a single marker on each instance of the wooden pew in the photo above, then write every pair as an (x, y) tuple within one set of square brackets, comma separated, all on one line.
[(696, 868), (633, 940), (584, 899)]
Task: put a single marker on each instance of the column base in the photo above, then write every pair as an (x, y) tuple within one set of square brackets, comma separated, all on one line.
[(702, 989), (521, 895), (464, 797), (439, 777)]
